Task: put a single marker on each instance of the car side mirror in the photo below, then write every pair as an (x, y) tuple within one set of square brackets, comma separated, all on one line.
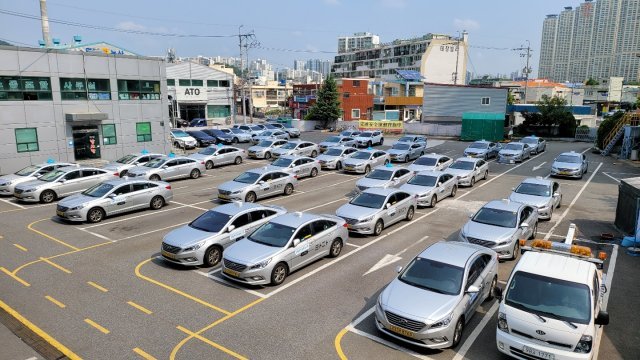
[(164, 167), (387, 205), (556, 194), (111, 196), (62, 180), (398, 269), (260, 182), (497, 293), (524, 226), (602, 319), (231, 228), (296, 242), (513, 189), (470, 214), (472, 289)]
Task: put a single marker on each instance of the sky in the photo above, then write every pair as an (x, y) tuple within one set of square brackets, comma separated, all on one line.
[(287, 30)]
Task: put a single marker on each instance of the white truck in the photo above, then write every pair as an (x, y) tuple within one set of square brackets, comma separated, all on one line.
[(551, 308)]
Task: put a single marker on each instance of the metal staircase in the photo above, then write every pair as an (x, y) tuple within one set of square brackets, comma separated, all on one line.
[(629, 119)]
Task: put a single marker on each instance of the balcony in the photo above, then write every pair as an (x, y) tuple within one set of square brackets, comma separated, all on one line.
[(378, 100), (403, 100)]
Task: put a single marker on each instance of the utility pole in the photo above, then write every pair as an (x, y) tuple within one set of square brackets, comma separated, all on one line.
[(455, 78), (245, 41), (527, 70), (244, 111)]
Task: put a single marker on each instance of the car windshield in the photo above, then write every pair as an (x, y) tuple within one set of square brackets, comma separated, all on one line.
[(289, 126), (282, 162), (289, 146), (179, 134), (462, 165), (218, 132), (333, 152), (269, 126), (198, 133), (267, 133), (534, 189), (366, 134), (210, 150), (155, 163), (496, 217), (210, 221), (478, 146), (346, 133), (247, 178), (272, 234), (51, 175), (98, 190), (126, 159), (380, 174), (401, 146), (372, 201), (529, 140), (236, 131), (550, 297), (27, 171), (334, 139), (265, 143), (362, 155), (513, 147), (406, 139), (433, 276), (426, 161), (423, 180), (569, 159)]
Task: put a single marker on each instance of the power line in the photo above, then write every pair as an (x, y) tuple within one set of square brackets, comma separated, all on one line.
[(297, 50)]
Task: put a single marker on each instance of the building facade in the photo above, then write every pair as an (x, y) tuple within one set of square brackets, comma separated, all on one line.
[(356, 100), (358, 41), (447, 103), (75, 105)]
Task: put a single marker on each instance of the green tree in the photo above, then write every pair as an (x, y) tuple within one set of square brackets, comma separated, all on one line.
[(552, 111), (591, 82), (511, 99), (605, 128), (327, 106)]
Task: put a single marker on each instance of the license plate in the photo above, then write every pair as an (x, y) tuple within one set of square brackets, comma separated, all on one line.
[(564, 173), (60, 213), (349, 167), (231, 272), (168, 254), (401, 331), (472, 155), (221, 196), (538, 353)]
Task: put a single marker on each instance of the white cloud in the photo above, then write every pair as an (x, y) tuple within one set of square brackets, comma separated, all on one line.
[(130, 25), (465, 24), (396, 4)]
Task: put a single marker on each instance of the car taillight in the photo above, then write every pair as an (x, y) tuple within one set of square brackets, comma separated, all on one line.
[(295, 177), (116, 174), (168, 187), (202, 162), (345, 225)]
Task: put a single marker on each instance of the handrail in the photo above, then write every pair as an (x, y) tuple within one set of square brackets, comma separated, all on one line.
[(632, 119)]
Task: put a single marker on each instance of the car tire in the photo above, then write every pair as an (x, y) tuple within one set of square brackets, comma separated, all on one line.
[(454, 190), (367, 169), (279, 274), (267, 155), (238, 160), (212, 256), (433, 202), (288, 189), (559, 203), (379, 226), (406, 158), (176, 145), (369, 144), (208, 165), (516, 250), (336, 248), (535, 231), (314, 172), (386, 162), (486, 175), (494, 284), (154, 177), (410, 213), (235, 140), (457, 332), (473, 181), (486, 157), (251, 197), (95, 215), (338, 166), (194, 174), (47, 196), (314, 153), (156, 203), (381, 141), (123, 173)]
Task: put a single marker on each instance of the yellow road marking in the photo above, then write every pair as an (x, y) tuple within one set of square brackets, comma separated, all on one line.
[(181, 293), (97, 286), (63, 254), (14, 277), (30, 227), (55, 301), (95, 325), (215, 323), (140, 307), (21, 247), (143, 354), (215, 345), (56, 265), (337, 343), (46, 337)]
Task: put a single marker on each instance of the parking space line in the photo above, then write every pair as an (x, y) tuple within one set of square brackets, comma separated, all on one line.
[(140, 307), (56, 265), (58, 303), (215, 345), (100, 328), (21, 247), (41, 333), (605, 298), (313, 190), (191, 206), (14, 277), (58, 255), (614, 179), (325, 204), (97, 286), (26, 208), (352, 245), (228, 283), (476, 332), (95, 234), (30, 227), (12, 203), (172, 289), (143, 354), (389, 344)]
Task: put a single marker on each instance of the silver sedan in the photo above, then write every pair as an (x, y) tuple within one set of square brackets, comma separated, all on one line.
[(298, 147), (364, 160), (300, 166), (537, 144), (469, 170), (335, 156), (169, 168), (570, 164), (431, 301), (384, 176), (282, 246), (514, 152), (264, 149), (257, 184), (431, 187), (332, 141), (433, 162), (202, 241), (543, 194), (122, 165), (270, 135), (216, 155), (114, 197), (403, 151), (30, 173), (374, 209), (237, 135)]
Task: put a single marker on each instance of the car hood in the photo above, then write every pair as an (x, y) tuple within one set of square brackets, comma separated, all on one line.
[(326, 158), (355, 212), (397, 152), (417, 189), (264, 137), (510, 152), (555, 330), (76, 199), (232, 186), (369, 183), (32, 184), (141, 170), (248, 252), (475, 151), (16, 178), (416, 303), (487, 232), (116, 166), (360, 138), (186, 236), (537, 201), (418, 168), (278, 168), (352, 161), (257, 148), (459, 172), (563, 165)]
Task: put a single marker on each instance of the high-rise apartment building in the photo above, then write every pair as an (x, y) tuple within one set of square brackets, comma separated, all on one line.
[(598, 39), (358, 41)]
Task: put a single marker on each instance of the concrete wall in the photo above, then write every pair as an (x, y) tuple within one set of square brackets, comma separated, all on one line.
[(452, 101)]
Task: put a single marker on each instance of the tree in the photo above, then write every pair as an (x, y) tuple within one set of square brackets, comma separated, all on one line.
[(511, 99), (552, 111), (592, 82), (327, 106)]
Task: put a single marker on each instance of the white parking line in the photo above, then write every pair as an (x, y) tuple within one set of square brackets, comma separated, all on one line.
[(325, 204), (476, 332), (150, 232), (12, 203), (353, 245), (609, 176), (96, 234), (191, 206), (228, 283), (390, 344), (605, 298)]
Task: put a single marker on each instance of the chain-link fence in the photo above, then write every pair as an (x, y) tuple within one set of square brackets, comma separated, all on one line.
[(586, 134)]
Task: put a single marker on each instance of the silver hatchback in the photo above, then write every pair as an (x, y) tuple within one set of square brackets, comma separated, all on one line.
[(168, 168), (216, 155), (384, 176), (257, 184), (202, 241), (61, 182), (300, 166), (335, 156), (30, 173), (282, 246), (114, 197), (431, 301)]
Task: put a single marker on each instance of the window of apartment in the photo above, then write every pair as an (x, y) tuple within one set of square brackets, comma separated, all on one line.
[(224, 83), (345, 95), (171, 82), (99, 89), (184, 82), (18, 88), (356, 83), (212, 83), (355, 113), (150, 90), (109, 134), (197, 82), (143, 131), (486, 101), (218, 111), (73, 89), (27, 139), (395, 91), (129, 89)]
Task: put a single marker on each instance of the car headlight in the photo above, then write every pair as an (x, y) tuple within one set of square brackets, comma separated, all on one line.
[(584, 345), (553, 168), (360, 165), (502, 322), (503, 242), (261, 265), (77, 207), (379, 302), (422, 196), (237, 192), (30, 190), (6, 183), (367, 219), (442, 322), (194, 247)]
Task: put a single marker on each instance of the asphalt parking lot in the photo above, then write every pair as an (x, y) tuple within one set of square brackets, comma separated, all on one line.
[(101, 291)]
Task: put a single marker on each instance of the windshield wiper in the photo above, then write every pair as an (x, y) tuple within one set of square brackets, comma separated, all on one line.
[(539, 317), (556, 317)]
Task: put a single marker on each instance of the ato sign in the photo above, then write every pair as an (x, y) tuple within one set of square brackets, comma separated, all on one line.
[(191, 93)]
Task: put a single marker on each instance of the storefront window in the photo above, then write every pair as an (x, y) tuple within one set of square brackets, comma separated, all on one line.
[(18, 88), (184, 82), (99, 89), (27, 139), (212, 83), (218, 111), (224, 83), (143, 131), (73, 89), (171, 82), (149, 90), (197, 83), (109, 134)]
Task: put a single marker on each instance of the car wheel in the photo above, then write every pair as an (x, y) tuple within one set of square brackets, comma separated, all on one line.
[(486, 157), (516, 250), (278, 274), (154, 177), (367, 169), (176, 144), (457, 333), (494, 283), (338, 166), (551, 213), (314, 172), (534, 232), (195, 173), (288, 189), (454, 190), (123, 173), (433, 202), (209, 165), (235, 140), (410, 213), (406, 158), (559, 203), (473, 181), (212, 256), (238, 160), (157, 202), (377, 230), (421, 153), (95, 215), (486, 175), (251, 197), (267, 155), (381, 141), (47, 196), (314, 153), (369, 144), (336, 248)]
